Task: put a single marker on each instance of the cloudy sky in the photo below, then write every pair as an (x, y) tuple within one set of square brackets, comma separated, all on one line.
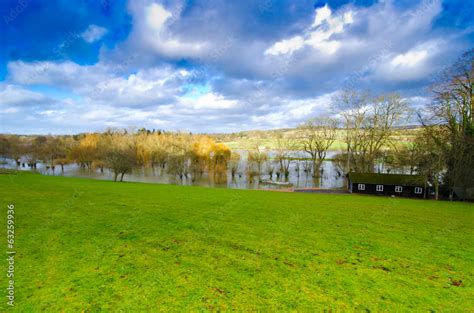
[(214, 66)]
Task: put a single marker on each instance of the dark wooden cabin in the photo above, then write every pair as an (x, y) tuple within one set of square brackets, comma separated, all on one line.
[(388, 184)]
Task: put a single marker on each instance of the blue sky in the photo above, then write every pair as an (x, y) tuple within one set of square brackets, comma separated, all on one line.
[(214, 66)]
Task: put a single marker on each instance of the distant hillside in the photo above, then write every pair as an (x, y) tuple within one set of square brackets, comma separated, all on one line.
[(246, 140)]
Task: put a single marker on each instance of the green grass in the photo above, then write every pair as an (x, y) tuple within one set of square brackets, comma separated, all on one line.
[(96, 245)]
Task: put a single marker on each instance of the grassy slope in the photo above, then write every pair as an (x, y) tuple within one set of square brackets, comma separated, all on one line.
[(87, 244)]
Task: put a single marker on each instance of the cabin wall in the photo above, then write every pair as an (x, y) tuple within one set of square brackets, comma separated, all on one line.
[(388, 190)]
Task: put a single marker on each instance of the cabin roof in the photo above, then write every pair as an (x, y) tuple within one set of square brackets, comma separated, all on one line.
[(387, 179)]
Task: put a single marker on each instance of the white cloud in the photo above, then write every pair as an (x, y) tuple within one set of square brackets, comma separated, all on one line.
[(102, 83), (291, 112), (409, 59), (411, 65), (156, 16), (54, 73), (287, 46), (212, 101), (322, 14), (17, 104), (318, 36), (13, 95), (93, 33), (153, 30)]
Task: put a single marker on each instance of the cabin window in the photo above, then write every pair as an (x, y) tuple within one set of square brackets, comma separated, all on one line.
[(361, 187), (379, 188), (398, 188), (418, 190)]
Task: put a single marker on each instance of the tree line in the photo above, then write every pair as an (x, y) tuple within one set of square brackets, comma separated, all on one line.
[(121, 151)]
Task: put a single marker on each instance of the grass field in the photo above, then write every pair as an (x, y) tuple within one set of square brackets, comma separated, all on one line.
[(96, 245)]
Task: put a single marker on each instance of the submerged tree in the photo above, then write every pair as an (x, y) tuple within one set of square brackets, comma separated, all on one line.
[(317, 136), (284, 147), (87, 149), (257, 158), (55, 151), (234, 163), (179, 160), (4, 147), (17, 148), (34, 150), (220, 156), (121, 155)]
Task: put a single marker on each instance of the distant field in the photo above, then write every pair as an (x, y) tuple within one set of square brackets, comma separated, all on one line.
[(97, 245), (249, 144), (250, 139)]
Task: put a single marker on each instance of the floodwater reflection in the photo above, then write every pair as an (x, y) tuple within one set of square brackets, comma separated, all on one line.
[(298, 177)]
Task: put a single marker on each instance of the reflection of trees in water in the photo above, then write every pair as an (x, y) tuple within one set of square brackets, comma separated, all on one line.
[(220, 178), (205, 166), (234, 173)]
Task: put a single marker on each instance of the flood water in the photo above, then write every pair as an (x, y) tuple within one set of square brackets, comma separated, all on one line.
[(330, 177)]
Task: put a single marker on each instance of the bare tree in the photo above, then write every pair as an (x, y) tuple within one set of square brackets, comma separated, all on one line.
[(53, 148), (453, 110), (4, 147), (62, 157), (384, 113), (317, 136), (257, 158), (35, 150), (407, 156), (270, 169), (234, 163), (369, 125), (284, 147), (89, 148), (121, 155), (17, 148), (352, 106), (179, 160)]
